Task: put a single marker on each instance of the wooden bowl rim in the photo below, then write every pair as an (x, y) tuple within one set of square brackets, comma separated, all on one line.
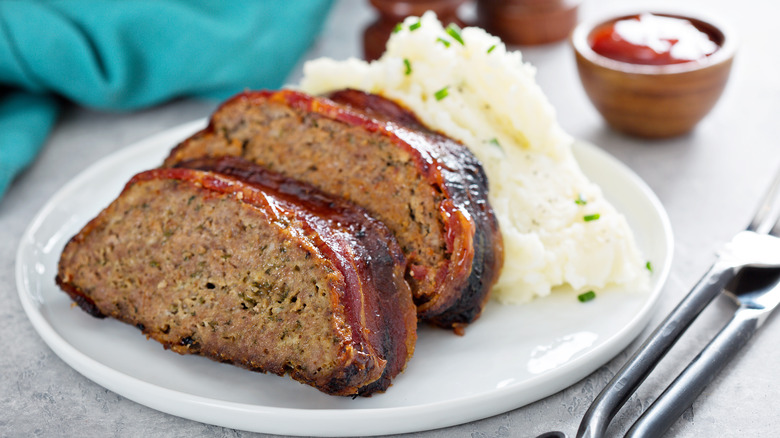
[(726, 52)]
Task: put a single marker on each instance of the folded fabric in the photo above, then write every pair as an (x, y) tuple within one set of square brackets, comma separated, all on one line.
[(123, 55)]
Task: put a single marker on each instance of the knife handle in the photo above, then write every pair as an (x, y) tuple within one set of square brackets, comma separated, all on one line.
[(699, 373), (619, 389)]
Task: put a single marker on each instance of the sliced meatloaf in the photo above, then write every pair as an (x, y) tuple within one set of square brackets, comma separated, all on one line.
[(259, 271), (428, 189)]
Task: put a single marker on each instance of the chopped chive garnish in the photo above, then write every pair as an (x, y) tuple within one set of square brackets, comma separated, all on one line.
[(408, 67), (587, 296), (415, 26), (454, 31), (494, 142), (443, 41), (441, 94), (491, 48), (649, 266), (591, 217), (398, 27), (580, 200)]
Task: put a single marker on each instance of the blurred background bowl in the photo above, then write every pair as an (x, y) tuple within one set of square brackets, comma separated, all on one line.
[(653, 101), (528, 22)]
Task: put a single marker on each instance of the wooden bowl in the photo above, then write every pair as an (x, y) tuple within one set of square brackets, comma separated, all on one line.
[(654, 101), (528, 22)]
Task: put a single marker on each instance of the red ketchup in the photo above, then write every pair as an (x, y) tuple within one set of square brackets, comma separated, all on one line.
[(652, 40)]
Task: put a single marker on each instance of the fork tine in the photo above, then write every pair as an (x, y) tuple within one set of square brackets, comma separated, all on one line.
[(768, 214), (775, 231)]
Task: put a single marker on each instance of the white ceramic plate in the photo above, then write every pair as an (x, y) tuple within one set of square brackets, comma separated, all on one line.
[(511, 357)]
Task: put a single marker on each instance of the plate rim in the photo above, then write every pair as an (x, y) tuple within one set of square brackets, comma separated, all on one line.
[(329, 421)]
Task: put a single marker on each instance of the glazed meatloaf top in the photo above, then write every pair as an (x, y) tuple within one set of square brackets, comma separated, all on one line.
[(260, 271), (428, 189)]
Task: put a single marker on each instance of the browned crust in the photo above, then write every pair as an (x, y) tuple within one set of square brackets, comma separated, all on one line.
[(473, 234), (473, 242), (370, 359), (393, 329)]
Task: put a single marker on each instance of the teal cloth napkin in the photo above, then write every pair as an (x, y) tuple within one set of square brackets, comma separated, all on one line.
[(129, 54)]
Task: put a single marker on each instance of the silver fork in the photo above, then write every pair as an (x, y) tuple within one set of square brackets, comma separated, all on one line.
[(751, 253)]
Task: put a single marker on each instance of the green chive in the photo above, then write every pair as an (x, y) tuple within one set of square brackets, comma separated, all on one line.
[(580, 200), (587, 296), (441, 94), (415, 26), (408, 67), (491, 48), (494, 142), (454, 31), (591, 217), (649, 266), (398, 27), (443, 41)]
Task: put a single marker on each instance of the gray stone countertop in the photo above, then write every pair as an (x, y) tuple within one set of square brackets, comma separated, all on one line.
[(709, 181)]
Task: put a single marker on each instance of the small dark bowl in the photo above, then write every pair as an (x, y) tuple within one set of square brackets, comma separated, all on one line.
[(654, 101)]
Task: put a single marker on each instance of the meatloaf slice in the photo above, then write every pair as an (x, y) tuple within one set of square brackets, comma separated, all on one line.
[(428, 189), (255, 272)]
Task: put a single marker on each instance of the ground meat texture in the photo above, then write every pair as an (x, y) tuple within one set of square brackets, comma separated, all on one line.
[(209, 264), (428, 189)]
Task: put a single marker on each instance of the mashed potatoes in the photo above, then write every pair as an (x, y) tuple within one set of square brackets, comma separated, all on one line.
[(558, 229)]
